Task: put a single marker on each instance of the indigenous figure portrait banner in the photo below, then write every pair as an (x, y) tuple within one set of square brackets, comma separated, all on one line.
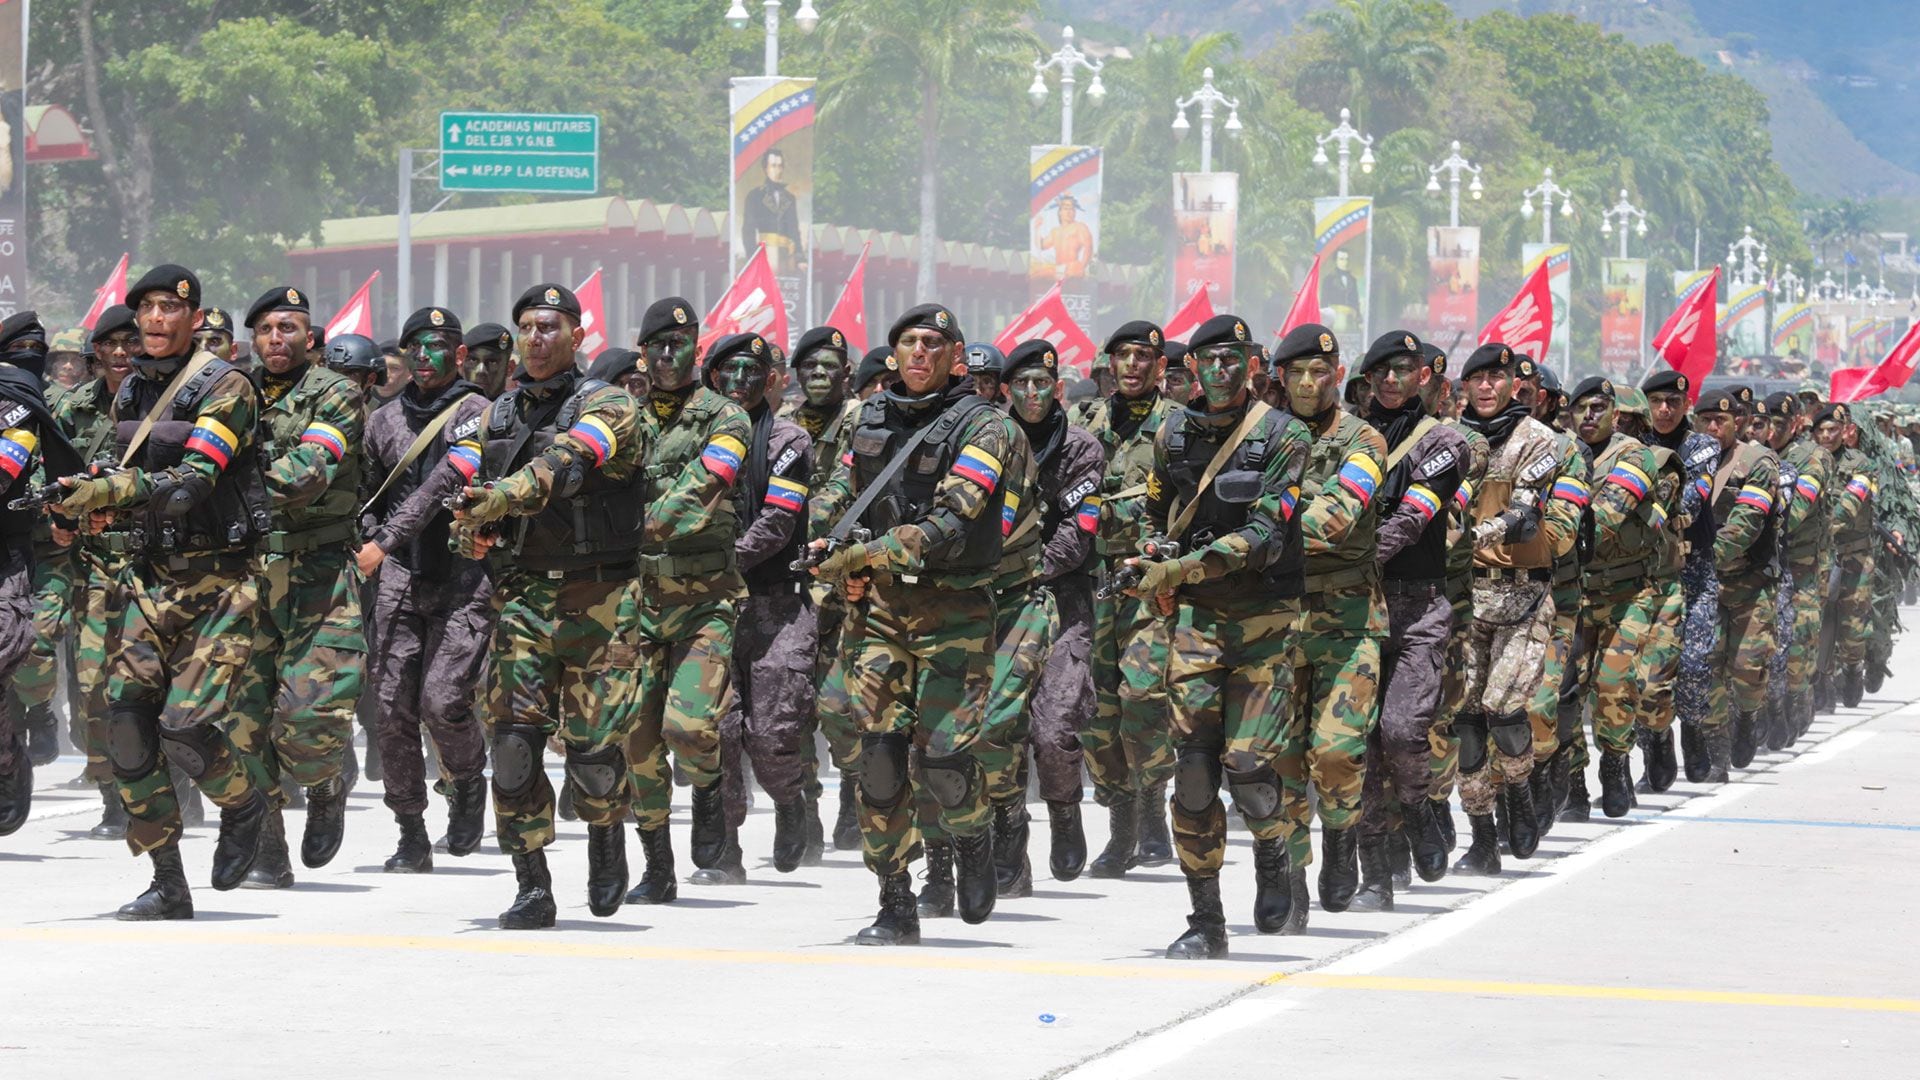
[(771, 192), (1792, 330), (1063, 210), (1343, 237), (1206, 213), (1829, 339), (1453, 280), (1623, 316)]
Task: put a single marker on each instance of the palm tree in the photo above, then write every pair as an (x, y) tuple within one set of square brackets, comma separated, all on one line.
[(1382, 57)]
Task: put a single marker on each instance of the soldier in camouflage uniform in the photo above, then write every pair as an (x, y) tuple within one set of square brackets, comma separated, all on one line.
[(489, 358), (1806, 478), (926, 481), (690, 591), (1225, 486), (196, 495), (1553, 710), (1514, 548), (54, 580), (1127, 740), (1668, 396), (1658, 661), (1443, 746), (1850, 583), (826, 411), (1745, 490), (560, 454)]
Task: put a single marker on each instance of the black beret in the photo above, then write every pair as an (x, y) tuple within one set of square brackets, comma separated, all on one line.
[(114, 319), (1594, 384), (1308, 339), (1548, 379), (1176, 353), (218, 320), (1741, 394), (169, 278), (613, 363), (1491, 355), (1666, 381), (319, 335), (1388, 346), (1436, 357), (818, 339), (1832, 410), (278, 298), (22, 326), (1783, 403), (673, 313), (1524, 367), (1220, 330), (1137, 332), (491, 335), (751, 345), (548, 295), (1035, 352), (983, 358), (928, 316), (428, 318), (877, 362)]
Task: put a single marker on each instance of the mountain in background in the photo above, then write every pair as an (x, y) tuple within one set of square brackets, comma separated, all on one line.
[(1838, 77)]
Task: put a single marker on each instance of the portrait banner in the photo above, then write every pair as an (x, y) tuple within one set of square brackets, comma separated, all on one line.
[(1453, 279), (1743, 319), (1623, 316), (1343, 238), (1206, 214), (1558, 259), (771, 186), (1685, 282), (1829, 338), (1063, 211), (13, 163), (1792, 330)]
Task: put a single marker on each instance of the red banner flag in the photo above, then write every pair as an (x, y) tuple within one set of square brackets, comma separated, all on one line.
[(1892, 373), (1197, 309), (1306, 302), (1687, 342), (1525, 325), (1898, 367), (751, 305), (850, 311), (357, 316), (1048, 319), (113, 292), (593, 314), (1853, 383)]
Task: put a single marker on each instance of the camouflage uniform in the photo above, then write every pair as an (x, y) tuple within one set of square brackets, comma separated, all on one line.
[(1807, 488), (1850, 583), (1699, 458), (37, 680), (1558, 693), (1443, 746), (1745, 490), (100, 562)]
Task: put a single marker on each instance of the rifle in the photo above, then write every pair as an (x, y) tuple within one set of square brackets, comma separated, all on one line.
[(811, 557), (53, 491), (1156, 548), (459, 501)]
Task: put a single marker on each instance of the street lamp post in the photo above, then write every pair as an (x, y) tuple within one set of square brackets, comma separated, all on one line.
[(1626, 212), (1546, 191), (1789, 286), (1346, 135), (1453, 167), (1067, 60), (1748, 257), (1206, 97), (1827, 289), (806, 18)]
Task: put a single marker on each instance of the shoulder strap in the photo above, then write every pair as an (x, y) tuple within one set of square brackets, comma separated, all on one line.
[(1406, 446), (415, 448), (192, 368), (1184, 515), (850, 520)]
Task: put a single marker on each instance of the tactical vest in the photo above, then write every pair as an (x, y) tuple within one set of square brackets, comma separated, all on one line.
[(27, 532), (1748, 455), (1124, 483), (776, 571), (1494, 496), (1637, 552), (1426, 558), (908, 497), (1803, 544), (328, 519), (234, 515), (597, 525), (1283, 571), (1671, 534), (676, 449)]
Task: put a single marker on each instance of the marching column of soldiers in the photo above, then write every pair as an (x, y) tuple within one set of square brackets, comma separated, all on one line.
[(1323, 592)]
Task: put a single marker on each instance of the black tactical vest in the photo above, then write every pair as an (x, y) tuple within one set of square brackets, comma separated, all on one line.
[(1426, 558), (1282, 568), (597, 525), (908, 497), (238, 510), (776, 570)]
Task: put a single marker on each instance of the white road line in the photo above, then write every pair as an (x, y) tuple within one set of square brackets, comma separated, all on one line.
[(1151, 1053)]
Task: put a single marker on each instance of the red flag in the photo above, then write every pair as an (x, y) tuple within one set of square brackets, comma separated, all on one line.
[(1898, 367), (1860, 383), (1853, 383), (1048, 319), (593, 314), (1197, 309), (1525, 325), (1687, 342), (751, 305), (113, 292), (357, 316), (1306, 302), (850, 311)]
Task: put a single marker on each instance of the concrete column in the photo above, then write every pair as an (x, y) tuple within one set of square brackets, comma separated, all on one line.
[(471, 313), (440, 275)]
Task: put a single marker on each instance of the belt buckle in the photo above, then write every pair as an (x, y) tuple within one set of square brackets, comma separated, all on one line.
[(555, 575), (908, 579)]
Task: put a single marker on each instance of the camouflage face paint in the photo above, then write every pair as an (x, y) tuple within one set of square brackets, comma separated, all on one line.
[(1031, 394), (1222, 371), (743, 379), (823, 378), (670, 359)]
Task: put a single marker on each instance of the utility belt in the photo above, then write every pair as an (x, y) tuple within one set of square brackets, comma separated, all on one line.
[(117, 542), (1853, 547), (1426, 587), (1360, 574), (936, 581), (236, 563), (1513, 573), (1601, 576), (692, 564), (604, 572), (287, 543), (1566, 573)]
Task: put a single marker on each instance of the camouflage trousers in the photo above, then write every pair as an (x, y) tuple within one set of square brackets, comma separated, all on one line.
[(1335, 693), (1126, 740), (1556, 692), (1887, 587), (1743, 649), (1778, 664), (769, 722), (920, 663), (1399, 748), (433, 638), (185, 637), (16, 638), (1616, 635), (1699, 640), (832, 711), (1506, 655), (1808, 592), (37, 679), (1230, 681), (1659, 663), (98, 606), (1851, 602), (566, 658), (1443, 746), (685, 687), (303, 678)]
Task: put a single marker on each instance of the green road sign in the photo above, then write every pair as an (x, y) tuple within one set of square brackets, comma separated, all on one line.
[(538, 152)]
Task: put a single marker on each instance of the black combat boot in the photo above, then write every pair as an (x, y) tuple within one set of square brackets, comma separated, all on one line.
[(1779, 733), (1659, 765), (606, 869), (789, 835), (1743, 738), (1877, 673), (1339, 867), (193, 809), (113, 819), (43, 736), (1376, 877), (533, 907), (1206, 936), (466, 815), (846, 824), (1579, 806), (1524, 833), (16, 790), (1400, 858), (936, 896), (326, 822), (1853, 685), (1067, 855), (372, 767), (1271, 899), (1823, 698), (239, 841), (1802, 714), (1120, 855), (1012, 828), (1719, 741), (1693, 750), (349, 770), (272, 868), (1299, 901), (1547, 794), (898, 922), (1483, 854), (1156, 841), (1443, 817), (709, 825), (414, 855), (1616, 783), (657, 885), (973, 887), (1419, 823), (729, 870), (168, 897), (815, 850)]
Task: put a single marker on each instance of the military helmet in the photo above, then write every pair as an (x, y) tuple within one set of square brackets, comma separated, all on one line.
[(356, 353)]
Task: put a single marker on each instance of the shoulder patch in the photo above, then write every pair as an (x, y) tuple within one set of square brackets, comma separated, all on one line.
[(467, 428), (1080, 491), (788, 458), (1541, 466), (1438, 464), (15, 415)]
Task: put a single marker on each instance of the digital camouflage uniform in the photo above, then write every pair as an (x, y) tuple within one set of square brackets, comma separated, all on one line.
[(1699, 593), (1443, 746)]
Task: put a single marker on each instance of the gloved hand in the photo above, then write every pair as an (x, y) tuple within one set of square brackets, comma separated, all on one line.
[(84, 494), (469, 541), (484, 505), (843, 564), (1161, 575)]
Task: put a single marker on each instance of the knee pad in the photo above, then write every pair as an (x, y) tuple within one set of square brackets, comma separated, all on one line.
[(1196, 780), (1471, 728), (517, 753), (597, 773), (1512, 733), (883, 768), (192, 750), (1256, 794), (950, 779), (133, 739)]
